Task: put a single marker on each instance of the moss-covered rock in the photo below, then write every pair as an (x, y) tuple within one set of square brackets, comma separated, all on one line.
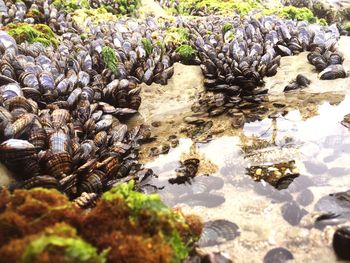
[(149, 223), (130, 226), (41, 33)]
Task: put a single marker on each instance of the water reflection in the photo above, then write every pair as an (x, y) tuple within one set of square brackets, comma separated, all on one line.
[(309, 141), (315, 145)]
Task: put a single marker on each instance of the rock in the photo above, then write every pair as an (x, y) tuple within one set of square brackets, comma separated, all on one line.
[(278, 255), (305, 197), (341, 242), (292, 213)]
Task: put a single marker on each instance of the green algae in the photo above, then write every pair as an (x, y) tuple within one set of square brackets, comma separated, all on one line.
[(147, 45), (110, 59), (187, 53), (217, 6), (70, 5), (116, 7), (226, 27), (177, 35), (295, 13), (40, 33), (347, 26), (300, 14), (63, 237)]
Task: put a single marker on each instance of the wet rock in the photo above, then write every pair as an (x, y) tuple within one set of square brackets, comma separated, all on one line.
[(156, 124), (278, 255), (292, 213), (193, 120), (174, 141), (341, 242), (186, 172), (237, 120), (305, 197), (346, 121), (328, 219), (338, 203), (217, 232), (216, 257), (279, 175)]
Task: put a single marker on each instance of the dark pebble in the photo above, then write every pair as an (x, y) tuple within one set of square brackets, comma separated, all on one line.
[(216, 257), (341, 242), (156, 123), (292, 213), (278, 255)]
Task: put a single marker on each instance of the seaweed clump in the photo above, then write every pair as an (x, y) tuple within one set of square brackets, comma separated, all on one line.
[(151, 233), (187, 54), (40, 225), (41, 33), (110, 59)]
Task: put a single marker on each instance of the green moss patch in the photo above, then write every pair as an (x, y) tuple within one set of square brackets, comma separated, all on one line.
[(62, 238), (41, 33), (187, 53), (110, 59)]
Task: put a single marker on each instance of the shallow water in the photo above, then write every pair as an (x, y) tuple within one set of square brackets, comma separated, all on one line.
[(306, 133)]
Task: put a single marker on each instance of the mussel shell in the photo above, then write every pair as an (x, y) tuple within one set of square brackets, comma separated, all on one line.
[(217, 232), (45, 181)]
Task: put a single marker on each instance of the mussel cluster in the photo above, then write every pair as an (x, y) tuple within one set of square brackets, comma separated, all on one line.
[(236, 55), (328, 63), (61, 114)]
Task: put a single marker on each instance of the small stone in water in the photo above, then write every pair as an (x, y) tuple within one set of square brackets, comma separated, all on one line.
[(278, 255), (341, 242), (292, 213), (315, 168), (305, 197), (156, 123), (216, 257)]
